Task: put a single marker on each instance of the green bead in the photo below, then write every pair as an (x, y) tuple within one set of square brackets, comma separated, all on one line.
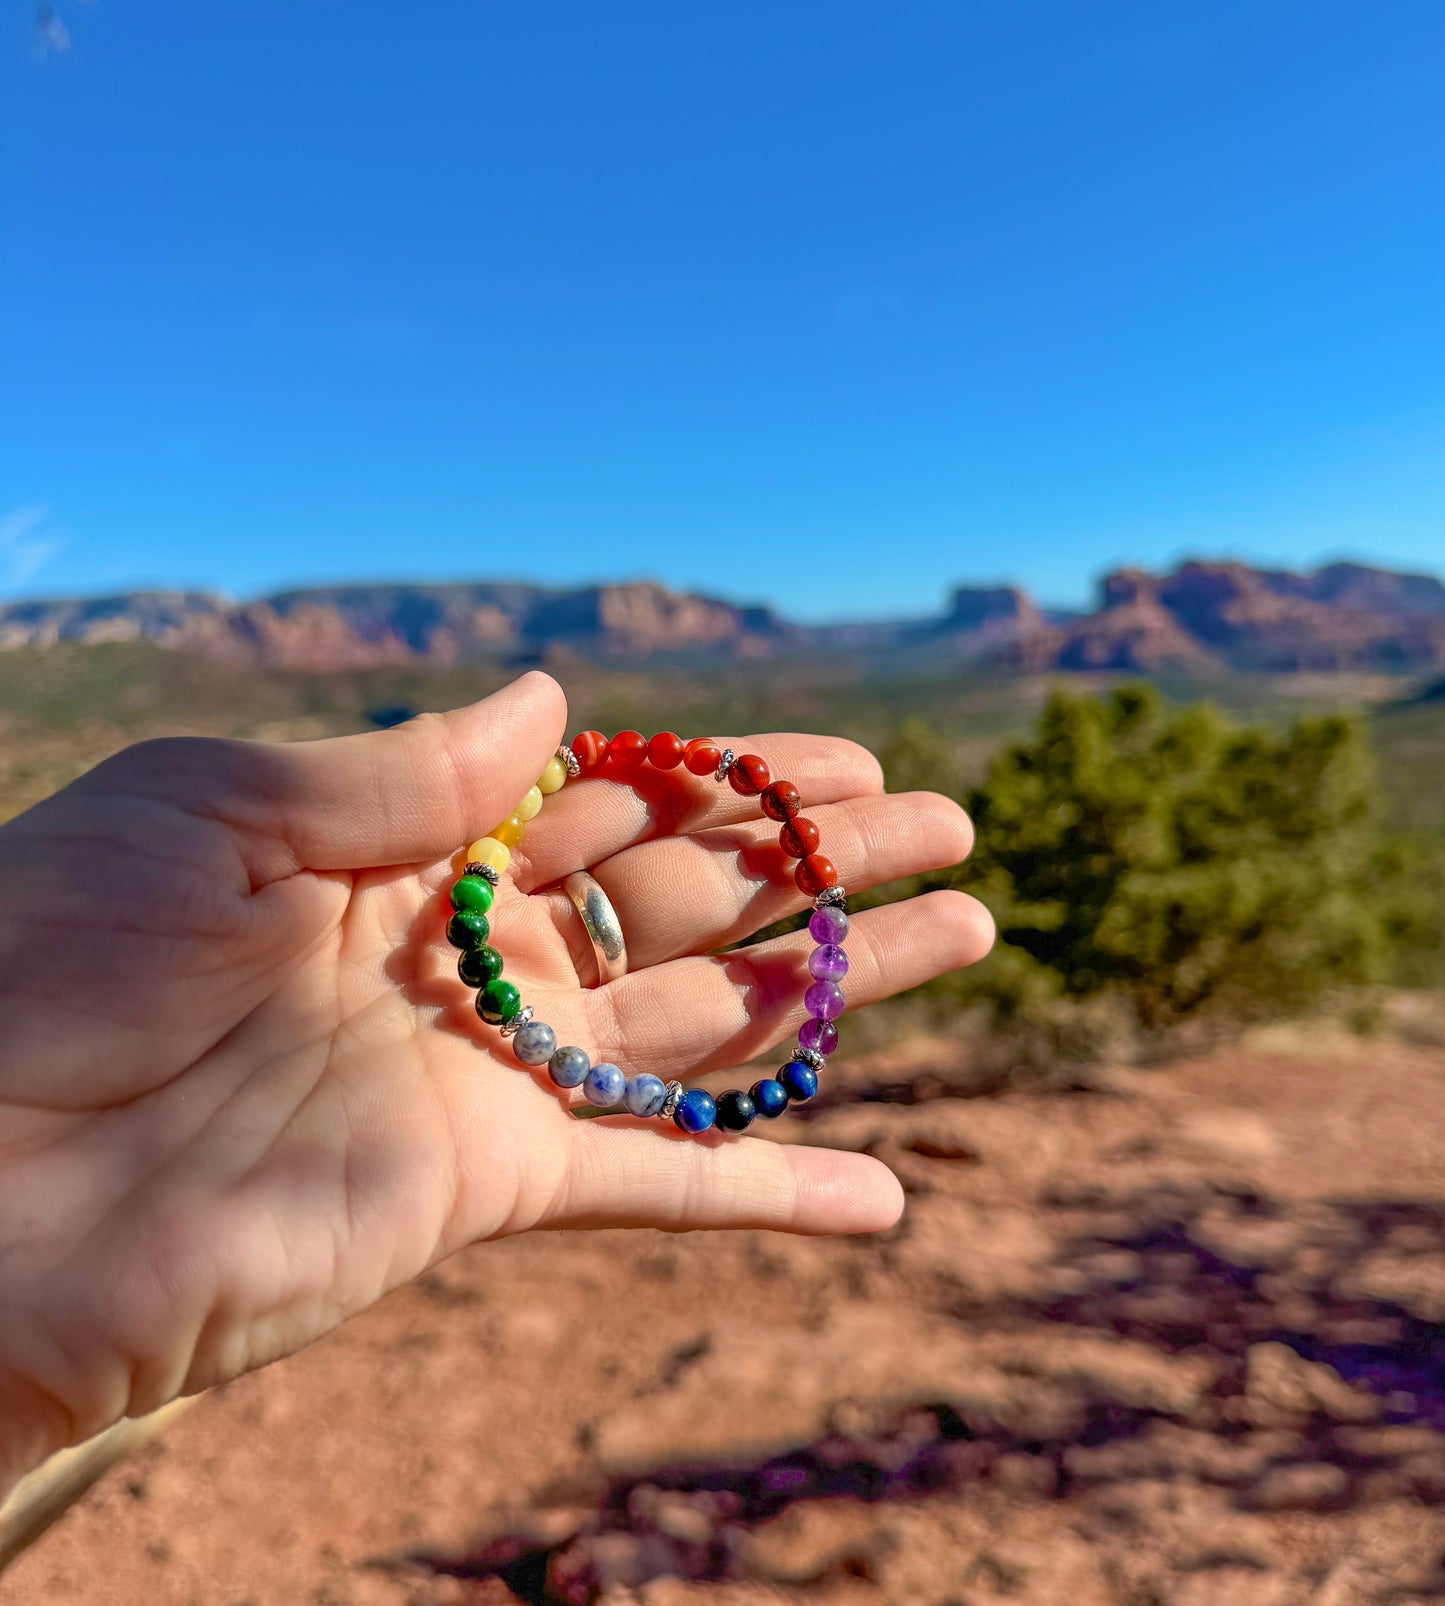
[(472, 892), (468, 928), (479, 966), (498, 1002)]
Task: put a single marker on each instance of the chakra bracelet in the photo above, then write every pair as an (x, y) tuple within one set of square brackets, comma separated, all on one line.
[(605, 1085)]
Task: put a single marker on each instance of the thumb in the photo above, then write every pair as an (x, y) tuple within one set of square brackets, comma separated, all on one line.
[(399, 796)]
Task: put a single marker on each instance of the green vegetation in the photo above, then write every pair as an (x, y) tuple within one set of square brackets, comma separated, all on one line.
[(1172, 862), (1207, 849), (64, 707)]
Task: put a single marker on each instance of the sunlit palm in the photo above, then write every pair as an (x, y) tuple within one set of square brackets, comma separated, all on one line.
[(243, 1092)]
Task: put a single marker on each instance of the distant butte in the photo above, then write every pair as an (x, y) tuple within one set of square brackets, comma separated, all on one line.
[(1199, 616)]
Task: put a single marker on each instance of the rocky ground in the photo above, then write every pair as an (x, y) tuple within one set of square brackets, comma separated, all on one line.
[(1171, 1337)]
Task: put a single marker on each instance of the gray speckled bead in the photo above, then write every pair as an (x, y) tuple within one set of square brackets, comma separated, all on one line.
[(604, 1084), (569, 1066), (645, 1095), (535, 1044)]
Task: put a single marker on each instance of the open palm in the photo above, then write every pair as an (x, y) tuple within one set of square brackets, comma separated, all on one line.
[(243, 1092)]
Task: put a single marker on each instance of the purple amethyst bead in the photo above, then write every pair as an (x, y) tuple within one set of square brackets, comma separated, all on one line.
[(824, 999), (828, 963), (829, 924), (819, 1035)]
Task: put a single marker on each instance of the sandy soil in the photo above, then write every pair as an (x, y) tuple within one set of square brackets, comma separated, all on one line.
[(1159, 1338)]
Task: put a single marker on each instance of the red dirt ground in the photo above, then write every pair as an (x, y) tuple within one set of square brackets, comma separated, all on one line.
[(1161, 1338)]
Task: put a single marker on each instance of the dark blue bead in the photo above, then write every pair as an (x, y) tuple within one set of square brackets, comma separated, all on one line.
[(799, 1081), (769, 1097), (735, 1111), (695, 1111)]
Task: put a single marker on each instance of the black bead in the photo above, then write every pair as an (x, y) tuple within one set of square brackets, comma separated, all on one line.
[(735, 1111)]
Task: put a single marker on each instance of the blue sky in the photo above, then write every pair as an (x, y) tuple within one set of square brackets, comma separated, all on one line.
[(831, 305)]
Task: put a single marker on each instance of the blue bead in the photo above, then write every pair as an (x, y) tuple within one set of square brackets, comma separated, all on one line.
[(799, 1081), (695, 1111), (569, 1066), (769, 1096), (645, 1095), (535, 1044), (603, 1085)]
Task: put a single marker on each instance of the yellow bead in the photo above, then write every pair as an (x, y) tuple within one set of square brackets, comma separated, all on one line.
[(487, 850), (531, 805), (553, 778), (509, 831)]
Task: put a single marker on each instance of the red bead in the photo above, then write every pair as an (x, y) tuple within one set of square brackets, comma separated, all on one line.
[(749, 774), (664, 751), (781, 801), (701, 756), (815, 874), (589, 749), (627, 749), (798, 838)]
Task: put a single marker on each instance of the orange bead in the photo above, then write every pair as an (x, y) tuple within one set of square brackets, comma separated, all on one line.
[(815, 874), (664, 751), (701, 756), (509, 832), (798, 838), (627, 749), (589, 749), (749, 775)]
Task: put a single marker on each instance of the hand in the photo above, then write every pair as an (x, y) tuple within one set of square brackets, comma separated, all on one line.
[(243, 1093)]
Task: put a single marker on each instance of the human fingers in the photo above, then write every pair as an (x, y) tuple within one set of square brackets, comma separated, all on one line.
[(398, 796), (651, 1178), (689, 894), (710, 1012), (598, 816)]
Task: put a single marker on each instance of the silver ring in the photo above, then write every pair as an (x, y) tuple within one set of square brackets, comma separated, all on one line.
[(603, 928)]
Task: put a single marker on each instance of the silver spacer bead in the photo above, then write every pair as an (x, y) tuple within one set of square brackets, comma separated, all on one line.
[(811, 1058), (485, 871), (724, 764), (570, 761), (674, 1093), (829, 895), (518, 1021)]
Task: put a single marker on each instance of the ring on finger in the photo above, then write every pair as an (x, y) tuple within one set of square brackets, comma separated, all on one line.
[(604, 930)]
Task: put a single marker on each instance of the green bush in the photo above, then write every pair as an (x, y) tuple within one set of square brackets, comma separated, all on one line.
[(1171, 862)]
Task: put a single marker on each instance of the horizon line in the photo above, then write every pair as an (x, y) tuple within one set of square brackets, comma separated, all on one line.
[(28, 596)]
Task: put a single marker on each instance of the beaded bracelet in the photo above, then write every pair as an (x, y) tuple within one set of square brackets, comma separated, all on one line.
[(605, 1085)]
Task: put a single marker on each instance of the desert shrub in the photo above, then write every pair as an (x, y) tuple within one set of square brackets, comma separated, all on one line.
[(917, 759), (1168, 862)]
